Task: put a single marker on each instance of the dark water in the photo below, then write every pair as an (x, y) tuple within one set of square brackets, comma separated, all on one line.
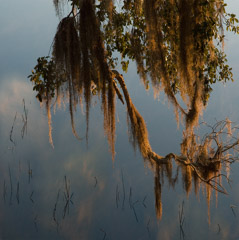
[(76, 191)]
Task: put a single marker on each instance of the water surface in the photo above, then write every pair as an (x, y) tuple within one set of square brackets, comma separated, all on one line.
[(76, 191)]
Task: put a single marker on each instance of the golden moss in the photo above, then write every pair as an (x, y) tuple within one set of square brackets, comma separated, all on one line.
[(79, 49), (173, 57), (79, 52)]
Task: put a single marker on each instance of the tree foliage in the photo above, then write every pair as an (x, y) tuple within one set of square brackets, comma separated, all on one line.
[(176, 44)]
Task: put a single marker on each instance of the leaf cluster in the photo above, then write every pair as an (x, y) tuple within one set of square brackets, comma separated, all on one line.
[(45, 78)]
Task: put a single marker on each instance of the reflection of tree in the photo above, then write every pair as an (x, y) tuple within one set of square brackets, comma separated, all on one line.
[(178, 44)]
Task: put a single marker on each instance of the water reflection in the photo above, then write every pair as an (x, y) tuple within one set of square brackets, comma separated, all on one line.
[(65, 78), (169, 44)]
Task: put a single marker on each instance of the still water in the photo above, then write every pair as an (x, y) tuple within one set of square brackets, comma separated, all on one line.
[(75, 190)]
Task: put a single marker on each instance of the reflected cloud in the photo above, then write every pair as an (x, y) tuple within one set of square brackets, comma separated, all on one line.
[(13, 90)]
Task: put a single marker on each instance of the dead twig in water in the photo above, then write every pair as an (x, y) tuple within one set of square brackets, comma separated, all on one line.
[(29, 172), (148, 227), (117, 196), (10, 179), (130, 197), (68, 198), (136, 217), (35, 223), (31, 197), (95, 182), (4, 191), (122, 178), (17, 195), (132, 204), (11, 132), (24, 120), (144, 201), (54, 211), (232, 208), (55, 206), (181, 220), (102, 230), (219, 228)]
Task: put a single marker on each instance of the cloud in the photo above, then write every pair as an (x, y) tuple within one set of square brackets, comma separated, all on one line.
[(13, 90)]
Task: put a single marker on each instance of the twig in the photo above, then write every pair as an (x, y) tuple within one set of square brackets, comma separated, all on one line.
[(132, 207), (232, 208), (102, 230), (55, 206), (117, 196), (144, 201), (135, 213), (68, 198), (95, 182), (122, 178), (11, 132), (54, 211), (148, 227), (181, 221), (226, 148), (17, 195), (10, 179), (132, 204), (130, 197), (29, 172), (35, 223), (24, 120), (4, 191), (31, 197)]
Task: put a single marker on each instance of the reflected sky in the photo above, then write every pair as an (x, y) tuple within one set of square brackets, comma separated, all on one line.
[(32, 181)]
